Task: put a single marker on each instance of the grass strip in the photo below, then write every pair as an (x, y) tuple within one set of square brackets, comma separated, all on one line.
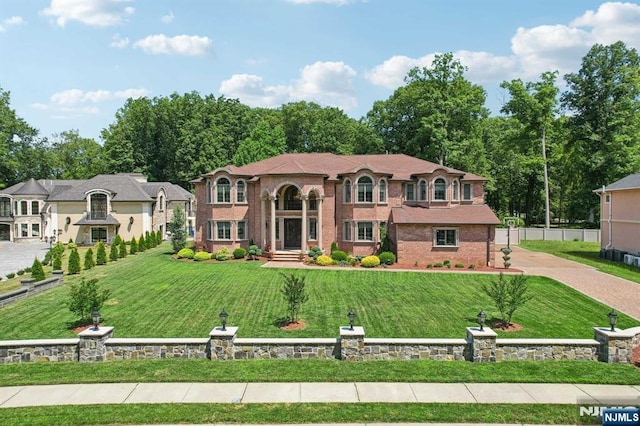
[(192, 370), (290, 413)]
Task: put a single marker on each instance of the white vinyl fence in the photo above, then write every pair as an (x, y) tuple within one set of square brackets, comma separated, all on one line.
[(551, 234)]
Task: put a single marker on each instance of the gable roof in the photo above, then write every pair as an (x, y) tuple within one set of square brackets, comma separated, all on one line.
[(472, 214), (627, 182), (30, 187), (333, 166), (173, 192)]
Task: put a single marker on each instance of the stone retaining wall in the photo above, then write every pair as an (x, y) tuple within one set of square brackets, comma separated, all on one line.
[(546, 349), (286, 348), (54, 350), (29, 287), (156, 348), (431, 349)]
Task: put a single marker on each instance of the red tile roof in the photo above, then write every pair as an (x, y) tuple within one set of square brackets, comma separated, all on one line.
[(472, 214)]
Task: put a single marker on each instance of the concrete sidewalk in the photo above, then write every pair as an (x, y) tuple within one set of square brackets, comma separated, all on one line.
[(248, 393)]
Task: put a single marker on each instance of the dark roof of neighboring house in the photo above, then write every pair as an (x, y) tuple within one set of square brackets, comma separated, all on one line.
[(121, 187), (397, 166), (472, 214), (174, 192), (30, 187), (627, 182)]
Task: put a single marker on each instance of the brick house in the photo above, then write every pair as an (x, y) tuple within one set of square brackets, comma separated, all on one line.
[(296, 201), (620, 216), (89, 210)]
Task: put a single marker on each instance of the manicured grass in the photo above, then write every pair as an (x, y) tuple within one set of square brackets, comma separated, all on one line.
[(587, 253), (290, 413), (154, 295), (191, 370)]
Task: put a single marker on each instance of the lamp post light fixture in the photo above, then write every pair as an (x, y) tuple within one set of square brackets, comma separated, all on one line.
[(482, 317), (95, 316), (223, 317), (613, 319), (352, 316)]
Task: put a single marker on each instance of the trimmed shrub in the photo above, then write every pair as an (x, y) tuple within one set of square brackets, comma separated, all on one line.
[(437, 265), (133, 247), (74, 262), (239, 253), (339, 255), (122, 249), (21, 272), (254, 252), (201, 255), (429, 266), (447, 263), (28, 269), (37, 273), (11, 275), (158, 237), (142, 243), (472, 266), (459, 265), (113, 252), (223, 254), (47, 258), (101, 254), (370, 262), (117, 240), (352, 260), (324, 260), (71, 246), (334, 246), (186, 253), (57, 262), (147, 240), (315, 252), (387, 258), (88, 259)]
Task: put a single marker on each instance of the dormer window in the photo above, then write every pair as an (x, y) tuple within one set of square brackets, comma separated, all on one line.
[(439, 189), (223, 190), (365, 190), (98, 206), (422, 191), (241, 192)]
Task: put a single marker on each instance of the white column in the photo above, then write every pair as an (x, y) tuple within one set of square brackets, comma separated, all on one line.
[(273, 223), (319, 224), (303, 238), (263, 221)]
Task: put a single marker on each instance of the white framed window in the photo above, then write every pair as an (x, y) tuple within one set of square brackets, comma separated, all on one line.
[(24, 206), (313, 201), (209, 192), (223, 190), (456, 190), (445, 237), (209, 230), (5, 207), (423, 190), (365, 231), (35, 229), (24, 230), (440, 189), (365, 189), (35, 208), (313, 228), (223, 230), (98, 234), (241, 192), (346, 231), (466, 192), (346, 191), (382, 191), (410, 191), (241, 230)]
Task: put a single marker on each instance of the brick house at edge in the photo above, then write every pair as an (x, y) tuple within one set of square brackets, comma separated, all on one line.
[(431, 213)]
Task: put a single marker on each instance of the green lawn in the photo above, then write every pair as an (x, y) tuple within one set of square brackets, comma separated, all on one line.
[(587, 253), (154, 295)]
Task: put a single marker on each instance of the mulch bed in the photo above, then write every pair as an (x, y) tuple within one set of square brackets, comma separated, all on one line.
[(291, 326), (503, 326)]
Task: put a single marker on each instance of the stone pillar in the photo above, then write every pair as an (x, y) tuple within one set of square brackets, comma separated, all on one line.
[(303, 238), (351, 343), (92, 344), (59, 275), (221, 343), (27, 282), (272, 245), (615, 346), (263, 222), (483, 344), (319, 224)]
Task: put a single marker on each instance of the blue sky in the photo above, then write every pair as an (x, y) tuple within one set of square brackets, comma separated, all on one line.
[(70, 64)]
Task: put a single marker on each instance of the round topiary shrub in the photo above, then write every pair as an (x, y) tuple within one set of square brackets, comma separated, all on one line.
[(239, 253), (185, 253), (324, 260), (11, 275), (223, 254), (370, 262), (339, 255), (201, 255), (315, 252), (387, 258)]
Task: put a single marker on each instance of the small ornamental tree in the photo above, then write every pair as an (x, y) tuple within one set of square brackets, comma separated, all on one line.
[(142, 244), (101, 254), (113, 252), (133, 247), (147, 240), (37, 273), (74, 262), (294, 295), (88, 259), (508, 295), (86, 297), (158, 238), (176, 227), (57, 261), (122, 249)]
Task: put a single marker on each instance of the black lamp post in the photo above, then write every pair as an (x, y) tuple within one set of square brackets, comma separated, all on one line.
[(95, 316), (482, 317), (352, 317), (613, 319), (223, 317)]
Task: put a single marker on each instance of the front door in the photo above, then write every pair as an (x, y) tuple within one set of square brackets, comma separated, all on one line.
[(5, 232), (292, 233)]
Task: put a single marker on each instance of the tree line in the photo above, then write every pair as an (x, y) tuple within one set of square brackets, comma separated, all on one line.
[(543, 155)]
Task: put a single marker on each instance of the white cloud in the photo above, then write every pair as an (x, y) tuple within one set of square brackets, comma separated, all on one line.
[(119, 42), (533, 50), (39, 105), (13, 21), (95, 13), (132, 93), (74, 97), (327, 83), (179, 45), (67, 97), (167, 18)]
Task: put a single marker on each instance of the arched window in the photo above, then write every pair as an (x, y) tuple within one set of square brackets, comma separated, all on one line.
[(161, 203), (346, 194), (365, 189), (422, 190), (313, 201), (209, 191), (223, 190), (98, 206), (382, 191), (241, 192), (456, 190), (292, 198), (439, 189)]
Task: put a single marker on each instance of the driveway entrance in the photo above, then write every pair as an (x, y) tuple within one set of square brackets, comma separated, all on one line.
[(16, 256)]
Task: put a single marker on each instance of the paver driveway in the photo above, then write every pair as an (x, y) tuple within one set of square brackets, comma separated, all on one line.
[(16, 256), (621, 294)]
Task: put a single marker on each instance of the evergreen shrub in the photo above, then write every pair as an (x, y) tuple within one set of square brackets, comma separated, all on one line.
[(370, 261), (201, 255), (339, 255), (186, 253), (387, 258), (324, 260), (239, 253), (223, 254)]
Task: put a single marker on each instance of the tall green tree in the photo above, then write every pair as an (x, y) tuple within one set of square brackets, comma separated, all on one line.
[(177, 229), (75, 157)]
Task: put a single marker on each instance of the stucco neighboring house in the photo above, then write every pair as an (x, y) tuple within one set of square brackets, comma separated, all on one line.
[(620, 215), (88, 211), (293, 202)]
